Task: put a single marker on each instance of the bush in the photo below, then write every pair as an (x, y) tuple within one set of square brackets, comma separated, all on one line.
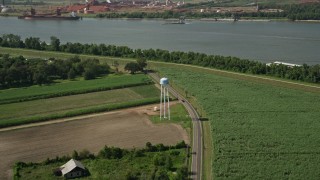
[(89, 74)]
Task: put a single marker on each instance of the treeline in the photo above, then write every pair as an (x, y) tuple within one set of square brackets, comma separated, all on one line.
[(162, 162), (160, 15), (19, 71), (292, 12), (308, 73), (117, 153), (303, 11)]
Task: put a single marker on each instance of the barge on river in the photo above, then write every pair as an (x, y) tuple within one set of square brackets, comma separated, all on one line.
[(56, 16)]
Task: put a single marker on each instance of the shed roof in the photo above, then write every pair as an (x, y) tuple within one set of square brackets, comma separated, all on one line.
[(70, 165)]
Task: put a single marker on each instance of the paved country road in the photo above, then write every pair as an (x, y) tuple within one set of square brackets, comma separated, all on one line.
[(197, 147)]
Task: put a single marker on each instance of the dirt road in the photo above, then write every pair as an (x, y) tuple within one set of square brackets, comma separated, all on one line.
[(128, 128)]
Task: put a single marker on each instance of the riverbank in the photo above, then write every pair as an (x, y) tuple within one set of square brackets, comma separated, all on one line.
[(245, 19), (262, 41)]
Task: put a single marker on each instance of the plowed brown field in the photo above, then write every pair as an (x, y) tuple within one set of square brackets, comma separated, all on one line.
[(127, 128)]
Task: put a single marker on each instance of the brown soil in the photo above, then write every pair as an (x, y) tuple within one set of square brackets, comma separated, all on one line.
[(127, 129)]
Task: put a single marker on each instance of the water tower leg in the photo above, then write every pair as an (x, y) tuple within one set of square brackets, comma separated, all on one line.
[(160, 102), (168, 104), (164, 102)]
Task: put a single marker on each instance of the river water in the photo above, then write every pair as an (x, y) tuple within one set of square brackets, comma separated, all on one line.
[(263, 41)]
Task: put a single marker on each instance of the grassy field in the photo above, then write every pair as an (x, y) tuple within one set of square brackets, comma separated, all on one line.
[(179, 115), (112, 168), (259, 131), (67, 103), (67, 106), (71, 87)]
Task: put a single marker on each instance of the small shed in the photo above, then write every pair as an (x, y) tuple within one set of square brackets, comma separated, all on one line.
[(73, 169)]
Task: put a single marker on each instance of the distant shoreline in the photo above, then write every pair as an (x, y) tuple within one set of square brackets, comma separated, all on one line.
[(195, 19)]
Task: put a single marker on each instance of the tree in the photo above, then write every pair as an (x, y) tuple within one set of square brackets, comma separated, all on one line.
[(159, 160), (11, 40), (71, 74), (132, 67), (32, 43), (84, 154), (89, 74), (148, 145), (55, 43), (168, 164), (131, 175), (161, 174), (182, 173), (142, 62), (75, 155), (181, 144)]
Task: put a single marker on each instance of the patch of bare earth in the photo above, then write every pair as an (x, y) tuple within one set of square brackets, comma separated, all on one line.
[(127, 129)]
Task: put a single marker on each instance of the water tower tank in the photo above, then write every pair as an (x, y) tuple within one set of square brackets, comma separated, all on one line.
[(164, 81)]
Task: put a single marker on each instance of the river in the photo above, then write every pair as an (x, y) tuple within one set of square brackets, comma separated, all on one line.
[(263, 41)]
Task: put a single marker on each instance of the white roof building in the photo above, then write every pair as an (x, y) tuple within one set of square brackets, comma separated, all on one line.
[(283, 63), (73, 169)]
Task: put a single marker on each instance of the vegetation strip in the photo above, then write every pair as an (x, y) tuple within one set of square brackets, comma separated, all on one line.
[(30, 98), (90, 110), (308, 73), (291, 12), (71, 88), (152, 162), (122, 61)]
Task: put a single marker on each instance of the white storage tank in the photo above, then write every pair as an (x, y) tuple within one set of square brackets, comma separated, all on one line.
[(164, 81)]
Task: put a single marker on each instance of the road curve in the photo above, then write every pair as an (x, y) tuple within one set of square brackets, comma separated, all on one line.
[(197, 146)]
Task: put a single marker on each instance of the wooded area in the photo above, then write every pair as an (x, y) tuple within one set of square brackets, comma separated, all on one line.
[(308, 73), (19, 71)]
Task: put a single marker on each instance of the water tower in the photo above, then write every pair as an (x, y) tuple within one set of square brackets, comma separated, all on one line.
[(164, 99)]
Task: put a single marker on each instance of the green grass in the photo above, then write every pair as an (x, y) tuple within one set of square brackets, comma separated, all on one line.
[(179, 115), (67, 103), (76, 112), (100, 168), (65, 88), (69, 106), (259, 131)]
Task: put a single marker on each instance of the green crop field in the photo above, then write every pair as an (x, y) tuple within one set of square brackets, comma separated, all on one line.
[(26, 111), (259, 131), (67, 103), (71, 87)]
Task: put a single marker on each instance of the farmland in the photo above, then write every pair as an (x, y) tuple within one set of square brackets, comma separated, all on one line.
[(67, 106), (261, 126), (65, 88), (126, 129), (258, 130)]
